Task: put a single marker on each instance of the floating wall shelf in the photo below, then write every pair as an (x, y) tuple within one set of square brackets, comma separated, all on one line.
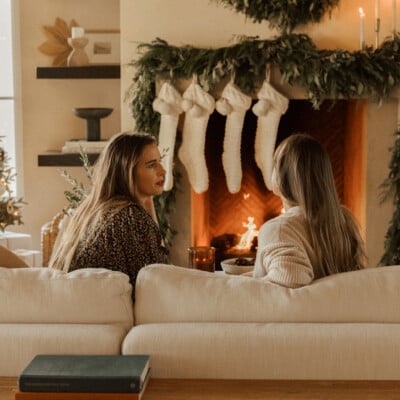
[(87, 72), (58, 159)]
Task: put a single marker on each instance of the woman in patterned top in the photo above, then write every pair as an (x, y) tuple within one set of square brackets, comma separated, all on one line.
[(116, 227)]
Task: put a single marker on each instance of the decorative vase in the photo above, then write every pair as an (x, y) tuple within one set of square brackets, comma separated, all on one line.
[(78, 56), (92, 116)]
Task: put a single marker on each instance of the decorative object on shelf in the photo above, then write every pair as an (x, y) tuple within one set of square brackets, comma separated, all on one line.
[(169, 105), (56, 44), (92, 116), (77, 146), (282, 14), (10, 206), (104, 46), (234, 104), (198, 105), (78, 42)]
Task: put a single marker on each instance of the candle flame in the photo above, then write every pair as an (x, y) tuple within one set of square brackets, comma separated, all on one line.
[(361, 11)]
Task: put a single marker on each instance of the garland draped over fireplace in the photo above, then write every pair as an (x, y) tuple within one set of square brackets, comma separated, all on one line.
[(368, 73)]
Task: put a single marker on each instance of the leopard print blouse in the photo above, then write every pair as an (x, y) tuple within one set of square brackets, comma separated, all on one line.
[(124, 241)]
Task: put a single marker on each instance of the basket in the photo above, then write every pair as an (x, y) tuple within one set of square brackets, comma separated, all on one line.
[(49, 234)]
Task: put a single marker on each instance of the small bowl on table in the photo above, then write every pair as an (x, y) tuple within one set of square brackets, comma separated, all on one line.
[(238, 266)]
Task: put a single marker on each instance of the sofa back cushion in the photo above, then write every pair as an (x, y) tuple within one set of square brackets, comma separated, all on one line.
[(175, 294), (46, 295)]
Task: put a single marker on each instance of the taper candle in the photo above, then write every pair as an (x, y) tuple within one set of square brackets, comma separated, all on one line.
[(362, 29), (77, 32), (377, 22)]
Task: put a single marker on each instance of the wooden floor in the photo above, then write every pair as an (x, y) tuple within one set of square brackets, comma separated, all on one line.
[(174, 389)]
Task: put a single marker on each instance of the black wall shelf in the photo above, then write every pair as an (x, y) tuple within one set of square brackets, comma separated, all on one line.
[(58, 159), (87, 72)]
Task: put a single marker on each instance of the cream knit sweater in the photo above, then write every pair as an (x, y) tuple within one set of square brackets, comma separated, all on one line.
[(285, 255)]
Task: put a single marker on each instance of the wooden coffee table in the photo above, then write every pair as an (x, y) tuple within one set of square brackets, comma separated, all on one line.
[(190, 389)]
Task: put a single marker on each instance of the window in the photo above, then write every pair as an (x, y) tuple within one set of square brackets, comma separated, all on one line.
[(8, 98)]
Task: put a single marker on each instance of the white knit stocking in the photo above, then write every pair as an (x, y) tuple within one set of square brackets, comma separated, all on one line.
[(168, 104), (269, 109), (233, 104), (198, 105)]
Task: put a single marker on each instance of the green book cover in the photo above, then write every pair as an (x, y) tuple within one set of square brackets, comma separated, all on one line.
[(85, 373)]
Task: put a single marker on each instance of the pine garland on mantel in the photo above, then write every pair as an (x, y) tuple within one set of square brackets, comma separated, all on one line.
[(282, 14), (324, 74)]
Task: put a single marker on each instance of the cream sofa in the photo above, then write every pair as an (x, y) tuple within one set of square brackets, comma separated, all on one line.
[(196, 324), (201, 325), (46, 311)]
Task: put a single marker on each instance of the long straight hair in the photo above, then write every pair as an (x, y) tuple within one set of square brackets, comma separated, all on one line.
[(113, 187), (304, 177)]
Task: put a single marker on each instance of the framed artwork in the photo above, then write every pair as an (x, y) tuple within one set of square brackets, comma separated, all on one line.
[(103, 47)]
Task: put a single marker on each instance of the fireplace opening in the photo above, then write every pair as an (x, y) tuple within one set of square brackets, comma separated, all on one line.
[(222, 219)]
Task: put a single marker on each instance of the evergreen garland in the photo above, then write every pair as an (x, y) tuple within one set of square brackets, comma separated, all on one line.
[(332, 74), (391, 190), (282, 14)]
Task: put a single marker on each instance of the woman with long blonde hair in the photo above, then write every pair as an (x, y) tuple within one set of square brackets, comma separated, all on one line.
[(116, 227), (316, 236)]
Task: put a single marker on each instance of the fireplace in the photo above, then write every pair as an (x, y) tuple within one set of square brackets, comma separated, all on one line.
[(219, 217)]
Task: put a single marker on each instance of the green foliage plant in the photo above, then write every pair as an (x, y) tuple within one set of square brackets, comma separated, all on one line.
[(282, 14), (390, 190)]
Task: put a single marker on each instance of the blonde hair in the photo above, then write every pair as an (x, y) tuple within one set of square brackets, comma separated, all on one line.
[(304, 177), (113, 187)]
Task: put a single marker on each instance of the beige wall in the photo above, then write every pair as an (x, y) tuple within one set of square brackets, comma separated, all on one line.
[(46, 103), (206, 24)]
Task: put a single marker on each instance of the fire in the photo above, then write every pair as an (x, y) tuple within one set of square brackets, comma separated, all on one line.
[(247, 238)]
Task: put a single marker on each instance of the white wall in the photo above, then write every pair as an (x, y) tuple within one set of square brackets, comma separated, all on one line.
[(46, 115), (208, 24)]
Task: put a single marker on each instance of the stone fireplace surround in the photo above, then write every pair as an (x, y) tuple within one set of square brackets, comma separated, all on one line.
[(369, 134)]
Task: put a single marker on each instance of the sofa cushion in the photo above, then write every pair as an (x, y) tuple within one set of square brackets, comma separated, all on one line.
[(19, 343), (8, 259), (212, 350), (176, 294), (45, 295)]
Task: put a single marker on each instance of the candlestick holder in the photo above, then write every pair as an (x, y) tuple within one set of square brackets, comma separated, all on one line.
[(78, 56)]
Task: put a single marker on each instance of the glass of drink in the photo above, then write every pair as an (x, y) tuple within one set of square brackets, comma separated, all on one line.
[(202, 257)]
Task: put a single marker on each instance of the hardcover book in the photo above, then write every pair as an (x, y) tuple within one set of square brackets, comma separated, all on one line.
[(85, 374)]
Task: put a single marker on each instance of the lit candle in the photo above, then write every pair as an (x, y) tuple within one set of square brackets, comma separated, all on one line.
[(377, 22), (77, 32), (394, 17), (362, 32)]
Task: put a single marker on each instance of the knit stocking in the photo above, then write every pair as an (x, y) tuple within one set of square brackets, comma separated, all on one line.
[(198, 105), (269, 108), (168, 104), (233, 104)]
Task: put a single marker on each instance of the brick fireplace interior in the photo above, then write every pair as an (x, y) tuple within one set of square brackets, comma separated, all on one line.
[(217, 216)]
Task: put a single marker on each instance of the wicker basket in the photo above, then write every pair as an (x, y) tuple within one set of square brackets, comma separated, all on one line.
[(49, 234)]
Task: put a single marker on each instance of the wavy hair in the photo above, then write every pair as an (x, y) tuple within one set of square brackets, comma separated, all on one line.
[(304, 177), (113, 187)]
